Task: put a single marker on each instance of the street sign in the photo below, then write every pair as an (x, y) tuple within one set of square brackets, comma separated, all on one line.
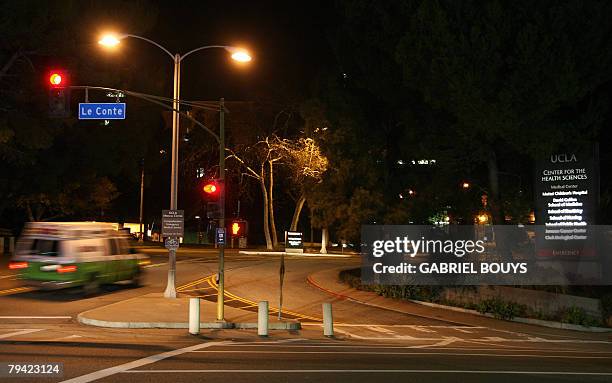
[(173, 223), (172, 243), (293, 242), (102, 111), (220, 236)]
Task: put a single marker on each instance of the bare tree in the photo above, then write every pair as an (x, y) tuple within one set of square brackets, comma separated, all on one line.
[(258, 162), (307, 165), (304, 160)]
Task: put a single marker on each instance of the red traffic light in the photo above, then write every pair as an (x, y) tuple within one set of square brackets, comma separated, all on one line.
[(210, 188), (58, 78)]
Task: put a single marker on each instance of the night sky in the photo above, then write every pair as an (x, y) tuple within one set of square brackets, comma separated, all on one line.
[(287, 39)]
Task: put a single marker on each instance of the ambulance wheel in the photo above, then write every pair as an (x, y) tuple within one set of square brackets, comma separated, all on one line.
[(92, 286), (136, 280)]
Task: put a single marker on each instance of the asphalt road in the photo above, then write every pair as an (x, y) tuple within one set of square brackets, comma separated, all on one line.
[(371, 344)]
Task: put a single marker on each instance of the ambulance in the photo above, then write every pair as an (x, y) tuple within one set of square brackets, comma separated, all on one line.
[(56, 255)]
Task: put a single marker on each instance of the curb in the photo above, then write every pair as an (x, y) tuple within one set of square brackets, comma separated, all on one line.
[(346, 297), (537, 322), (327, 255), (180, 325)]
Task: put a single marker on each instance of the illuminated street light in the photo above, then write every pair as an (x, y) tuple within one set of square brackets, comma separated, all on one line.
[(238, 54), (110, 40), (465, 185)]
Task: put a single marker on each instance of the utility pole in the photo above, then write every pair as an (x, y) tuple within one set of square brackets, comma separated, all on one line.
[(221, 290), (171, 286), (141, 238)]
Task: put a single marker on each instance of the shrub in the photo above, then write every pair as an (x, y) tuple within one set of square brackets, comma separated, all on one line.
[(501, 309), (577, 315)]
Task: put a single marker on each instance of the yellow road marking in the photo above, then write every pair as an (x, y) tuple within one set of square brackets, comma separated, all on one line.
[(212, 284), (15, 290)]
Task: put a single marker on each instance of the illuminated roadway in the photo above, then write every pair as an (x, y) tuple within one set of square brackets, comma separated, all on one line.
[(372, 344)]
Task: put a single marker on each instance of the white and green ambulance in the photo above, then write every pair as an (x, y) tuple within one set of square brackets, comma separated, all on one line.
[(55, 255)]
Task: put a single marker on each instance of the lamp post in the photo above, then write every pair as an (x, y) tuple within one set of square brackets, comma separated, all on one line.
[(237, 54)]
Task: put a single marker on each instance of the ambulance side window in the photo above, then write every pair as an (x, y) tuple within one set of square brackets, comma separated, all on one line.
[(113, 245)]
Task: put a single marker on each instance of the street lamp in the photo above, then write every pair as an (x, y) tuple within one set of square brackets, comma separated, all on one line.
[(238, 54)]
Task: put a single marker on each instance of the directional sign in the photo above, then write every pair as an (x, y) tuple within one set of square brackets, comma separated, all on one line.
[(172, 243), (173, 223), (102, 111), (220, 236)]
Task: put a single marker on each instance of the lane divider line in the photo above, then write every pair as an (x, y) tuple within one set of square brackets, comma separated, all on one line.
[(345, 371), (22, 332)]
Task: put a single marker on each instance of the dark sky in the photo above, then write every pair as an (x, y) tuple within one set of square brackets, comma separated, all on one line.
[(288, 41)]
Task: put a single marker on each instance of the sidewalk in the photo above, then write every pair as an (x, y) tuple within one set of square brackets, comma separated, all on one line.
[(155, 311), (327, 280)]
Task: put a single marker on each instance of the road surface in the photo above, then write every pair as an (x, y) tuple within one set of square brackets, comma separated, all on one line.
[(371, 344)]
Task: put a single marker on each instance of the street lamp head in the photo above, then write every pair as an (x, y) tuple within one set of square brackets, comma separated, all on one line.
[(239, 54), (111, 40)]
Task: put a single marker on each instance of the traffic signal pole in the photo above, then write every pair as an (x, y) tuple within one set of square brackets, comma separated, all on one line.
[(221, 289), (171, 286)]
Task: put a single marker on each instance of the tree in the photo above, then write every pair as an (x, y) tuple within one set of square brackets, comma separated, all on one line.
[(48, 167), (507, 71), (258, 162), (307, 165)]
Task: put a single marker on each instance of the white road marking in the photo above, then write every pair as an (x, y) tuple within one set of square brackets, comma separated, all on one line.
[(139, 363), (70, 337), (541, 340), (152, 359), (35, 317), (433, 352), (444, 342), (490, 372), (382, 330), (394, 325), (387, 346), (7, 276), (22, 332)]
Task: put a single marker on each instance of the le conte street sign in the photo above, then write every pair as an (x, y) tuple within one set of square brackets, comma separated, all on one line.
[(102, 111)]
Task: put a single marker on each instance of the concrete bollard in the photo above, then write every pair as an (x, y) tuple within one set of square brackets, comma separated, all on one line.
[(194, 316), (262, 319), (328, 321)]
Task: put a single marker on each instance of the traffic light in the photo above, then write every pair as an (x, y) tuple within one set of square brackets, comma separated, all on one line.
[(238, 228), (59, 93), (211, 190)]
